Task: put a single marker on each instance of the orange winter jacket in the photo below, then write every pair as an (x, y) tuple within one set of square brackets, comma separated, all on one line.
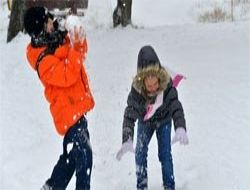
[(66, 84)]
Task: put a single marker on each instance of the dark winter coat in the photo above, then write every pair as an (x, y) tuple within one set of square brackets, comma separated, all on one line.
[(149, 64)]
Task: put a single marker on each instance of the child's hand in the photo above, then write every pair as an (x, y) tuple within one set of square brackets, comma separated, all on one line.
[(77, 36), (126, 147), (180, 136)]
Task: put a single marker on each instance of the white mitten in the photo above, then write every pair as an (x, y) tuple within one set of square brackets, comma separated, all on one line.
[(126, 147), (180, 136), (75, 28)]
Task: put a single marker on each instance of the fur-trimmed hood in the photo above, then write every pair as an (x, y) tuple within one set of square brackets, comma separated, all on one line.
[(154, 70), (149, 64)]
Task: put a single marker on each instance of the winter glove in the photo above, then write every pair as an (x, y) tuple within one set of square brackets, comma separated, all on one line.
[(151, 108), (181, 136), (126, 147)]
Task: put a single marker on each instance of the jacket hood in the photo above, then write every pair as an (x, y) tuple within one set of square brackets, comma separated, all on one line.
[(148, 64), (146, 57)]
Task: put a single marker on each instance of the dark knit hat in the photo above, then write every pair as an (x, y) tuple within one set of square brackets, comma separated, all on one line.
[(147, 57), (34, 20)]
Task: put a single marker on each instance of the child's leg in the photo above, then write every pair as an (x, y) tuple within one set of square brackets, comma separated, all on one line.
[(144, 135), (79, 158), (82, 153), (163, 134), (65, 167), (62, 173)]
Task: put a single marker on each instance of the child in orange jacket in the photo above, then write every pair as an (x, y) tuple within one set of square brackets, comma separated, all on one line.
[(58, 60)]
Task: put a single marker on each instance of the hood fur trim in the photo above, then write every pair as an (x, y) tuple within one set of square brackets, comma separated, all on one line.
[(154, 70)]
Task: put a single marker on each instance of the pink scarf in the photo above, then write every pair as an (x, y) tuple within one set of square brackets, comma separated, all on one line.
[(151, 108)]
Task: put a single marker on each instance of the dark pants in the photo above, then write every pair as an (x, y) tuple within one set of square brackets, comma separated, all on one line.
[(76, 157), (144, 135)]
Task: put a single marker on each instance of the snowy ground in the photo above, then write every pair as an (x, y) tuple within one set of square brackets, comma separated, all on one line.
[(216, 97)]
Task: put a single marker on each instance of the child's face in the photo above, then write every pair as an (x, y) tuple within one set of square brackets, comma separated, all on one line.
[(50, 26), (151, 85)]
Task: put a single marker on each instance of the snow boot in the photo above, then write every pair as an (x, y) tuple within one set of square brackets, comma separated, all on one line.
[(46, 187)]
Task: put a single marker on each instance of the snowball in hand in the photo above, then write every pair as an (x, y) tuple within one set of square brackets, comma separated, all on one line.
[(75, 28), (72, 21)]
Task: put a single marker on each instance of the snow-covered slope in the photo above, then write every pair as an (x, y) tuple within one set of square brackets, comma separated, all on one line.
[(215, 58)]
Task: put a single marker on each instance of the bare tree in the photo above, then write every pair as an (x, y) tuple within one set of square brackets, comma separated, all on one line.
[(232, 10), (122, 13), (16, 19)]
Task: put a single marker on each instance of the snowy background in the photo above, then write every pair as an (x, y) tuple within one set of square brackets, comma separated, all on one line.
[(215, 58)]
